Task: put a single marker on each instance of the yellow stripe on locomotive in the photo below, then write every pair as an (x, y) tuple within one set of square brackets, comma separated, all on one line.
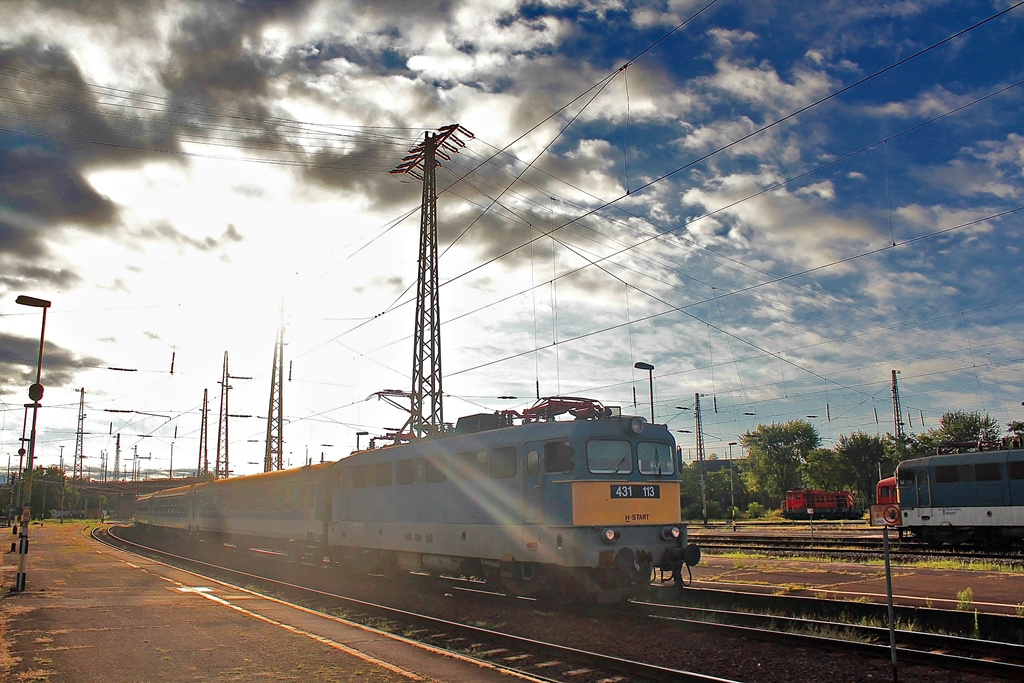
[(596, 503)]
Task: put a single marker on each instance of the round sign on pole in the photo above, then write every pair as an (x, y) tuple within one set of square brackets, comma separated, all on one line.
[(35, 392), (891, 515)]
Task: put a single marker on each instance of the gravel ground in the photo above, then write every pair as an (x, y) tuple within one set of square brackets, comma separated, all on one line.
[(737, 659)]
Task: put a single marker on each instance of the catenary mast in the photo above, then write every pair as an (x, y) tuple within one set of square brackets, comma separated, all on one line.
[(426, 413)]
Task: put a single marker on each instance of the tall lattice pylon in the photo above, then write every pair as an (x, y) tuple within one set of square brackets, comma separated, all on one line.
[(79, 450), (116, 475), (897, 412), (221, 466), (273, 456), (426, 412), (204, 443), (699, 428)]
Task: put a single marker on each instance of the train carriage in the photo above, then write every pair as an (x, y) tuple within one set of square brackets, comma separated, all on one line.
[(955, 497)]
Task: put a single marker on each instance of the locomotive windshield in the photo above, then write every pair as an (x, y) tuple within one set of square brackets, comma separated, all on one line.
[(609, 457), (655, 458)]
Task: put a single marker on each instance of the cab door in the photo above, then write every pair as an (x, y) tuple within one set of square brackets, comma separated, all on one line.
[(532, 511)]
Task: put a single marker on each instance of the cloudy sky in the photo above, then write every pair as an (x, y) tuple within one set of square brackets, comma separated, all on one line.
[(774, 203)]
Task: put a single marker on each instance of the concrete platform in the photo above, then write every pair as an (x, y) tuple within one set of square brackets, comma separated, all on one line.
[(90, 613)]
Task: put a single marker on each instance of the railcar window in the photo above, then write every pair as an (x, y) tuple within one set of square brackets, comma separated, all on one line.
[(420, 469), (383, 474), (907, 476), (532, 463), (609, 457), (1016, 469), (947, 474), (360, 476), (405, 472), (467, 465), (655, 458), (558, 456), (344, 477), (988, 471), (434, 470), (966, 472), (501, 462)]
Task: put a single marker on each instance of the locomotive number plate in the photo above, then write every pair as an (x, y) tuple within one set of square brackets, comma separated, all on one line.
[(636, 491)]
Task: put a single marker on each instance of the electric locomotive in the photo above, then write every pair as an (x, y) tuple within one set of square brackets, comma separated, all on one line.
[(582, 508)]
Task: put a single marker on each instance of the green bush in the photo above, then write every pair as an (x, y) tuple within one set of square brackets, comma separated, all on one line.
[(756, 511)]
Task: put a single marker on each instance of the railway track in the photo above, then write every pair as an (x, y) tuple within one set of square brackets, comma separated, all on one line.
[(853, 546), (551, 661)]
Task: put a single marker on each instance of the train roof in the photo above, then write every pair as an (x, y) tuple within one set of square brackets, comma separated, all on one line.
[(964, 458), (260, 478)]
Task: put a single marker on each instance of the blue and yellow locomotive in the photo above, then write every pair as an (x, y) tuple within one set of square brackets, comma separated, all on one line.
[(584, 508)]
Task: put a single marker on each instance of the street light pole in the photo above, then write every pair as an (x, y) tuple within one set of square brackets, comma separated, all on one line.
[(732, 489), (640, 365), (35, 392)]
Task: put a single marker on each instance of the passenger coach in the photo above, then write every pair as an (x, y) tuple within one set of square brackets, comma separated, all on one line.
[(954, 497)]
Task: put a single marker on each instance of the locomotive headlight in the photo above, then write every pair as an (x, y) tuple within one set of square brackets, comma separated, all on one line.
[(610, 535), (636, 425), (671, 533)]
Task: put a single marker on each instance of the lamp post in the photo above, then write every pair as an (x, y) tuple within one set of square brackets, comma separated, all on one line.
[(732, 488), (35, 392), (640, 365)]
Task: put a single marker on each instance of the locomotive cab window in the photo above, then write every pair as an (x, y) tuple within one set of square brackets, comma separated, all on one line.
[(609, 457), (532, 463), (655, 458), (502, 462), (558, 456)]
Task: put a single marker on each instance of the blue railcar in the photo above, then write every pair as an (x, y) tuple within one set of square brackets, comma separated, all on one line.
[(955, 497), (581, 508)]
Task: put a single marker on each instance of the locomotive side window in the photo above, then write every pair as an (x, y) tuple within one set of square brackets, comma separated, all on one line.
[(947, 474), (433, 470), (1016, 469), (967, 472), (405, 472), (558, 456), (470, 465), (609, 457), (360, 477), (532, 463), (655, 458), (502, 462), (988, 471), (382, 474)]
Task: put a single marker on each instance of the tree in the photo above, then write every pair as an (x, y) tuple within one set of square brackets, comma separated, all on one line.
[(866, 460), (827, 469), (960, 426), (775, 453)]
